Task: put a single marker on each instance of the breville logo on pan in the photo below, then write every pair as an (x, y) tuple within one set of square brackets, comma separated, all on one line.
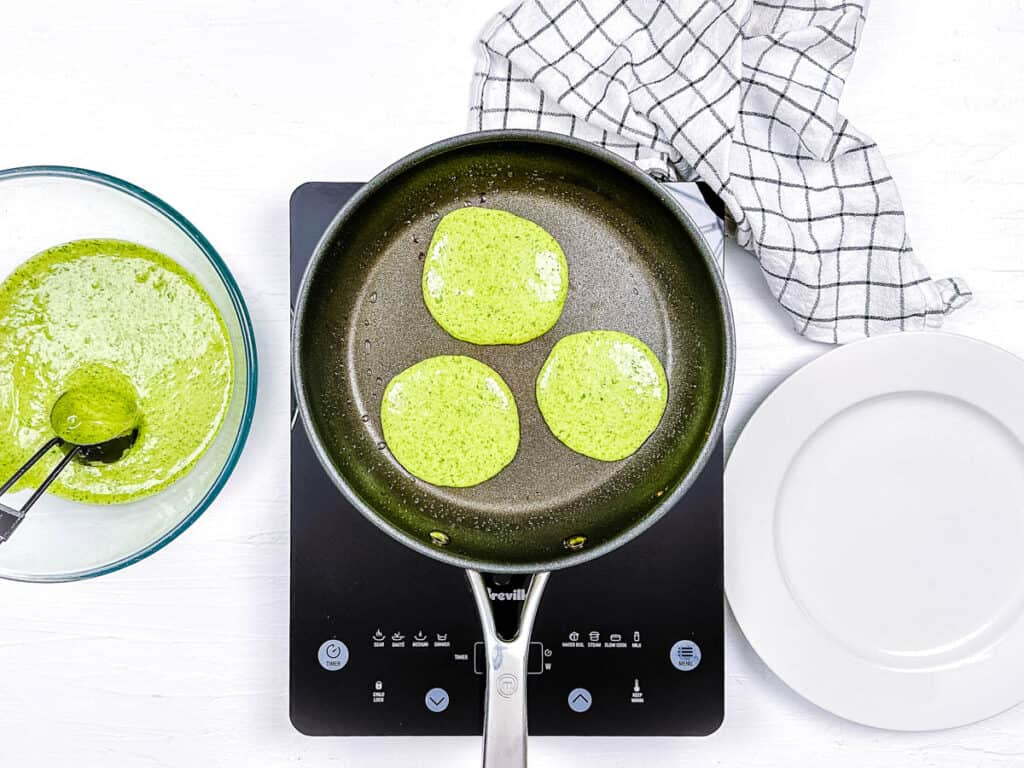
[(515, 594)]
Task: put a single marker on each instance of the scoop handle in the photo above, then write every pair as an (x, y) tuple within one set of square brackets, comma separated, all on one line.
[(10, 518)]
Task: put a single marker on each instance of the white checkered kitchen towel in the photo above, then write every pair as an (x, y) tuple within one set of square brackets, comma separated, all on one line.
[(743, 96)]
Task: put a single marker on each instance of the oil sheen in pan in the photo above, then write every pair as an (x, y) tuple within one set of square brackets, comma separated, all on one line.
[(392, 329)]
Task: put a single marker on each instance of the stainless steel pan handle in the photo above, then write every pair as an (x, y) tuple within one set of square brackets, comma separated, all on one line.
[(507, 659)]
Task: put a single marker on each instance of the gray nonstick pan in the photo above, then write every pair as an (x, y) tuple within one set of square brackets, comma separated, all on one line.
[(636, 264)]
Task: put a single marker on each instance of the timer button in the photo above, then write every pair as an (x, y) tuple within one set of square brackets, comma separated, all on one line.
[(333, 655)]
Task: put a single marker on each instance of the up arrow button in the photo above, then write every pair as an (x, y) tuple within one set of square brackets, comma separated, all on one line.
[(580, 700)]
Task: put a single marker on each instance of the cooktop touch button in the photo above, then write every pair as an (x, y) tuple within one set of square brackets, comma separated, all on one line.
[(333, 655), (580, 699), (685, 655), (437, 700)]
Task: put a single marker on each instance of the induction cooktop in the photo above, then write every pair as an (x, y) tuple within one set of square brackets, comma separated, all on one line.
[(385, 641)]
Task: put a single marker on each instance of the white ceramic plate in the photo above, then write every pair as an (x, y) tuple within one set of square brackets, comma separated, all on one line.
[(875, 531)]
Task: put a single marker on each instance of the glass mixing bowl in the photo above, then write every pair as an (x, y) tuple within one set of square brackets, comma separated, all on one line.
[(61, 540)]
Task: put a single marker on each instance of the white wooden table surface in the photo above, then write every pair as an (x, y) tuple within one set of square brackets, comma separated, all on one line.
[(222, 107)]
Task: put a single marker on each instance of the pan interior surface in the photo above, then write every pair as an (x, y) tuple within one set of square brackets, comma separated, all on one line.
[(633, 266)]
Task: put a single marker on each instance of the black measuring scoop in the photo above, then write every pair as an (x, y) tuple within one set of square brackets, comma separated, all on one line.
[(97, 425)]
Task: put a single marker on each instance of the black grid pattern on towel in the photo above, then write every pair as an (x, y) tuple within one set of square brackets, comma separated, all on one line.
[(744, 97)]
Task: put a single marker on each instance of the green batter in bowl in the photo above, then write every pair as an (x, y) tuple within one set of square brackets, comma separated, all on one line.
[(177, 327)]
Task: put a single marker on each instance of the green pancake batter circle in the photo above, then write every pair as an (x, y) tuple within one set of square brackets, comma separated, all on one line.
[(602, 393), (450, 420), (491, 277)]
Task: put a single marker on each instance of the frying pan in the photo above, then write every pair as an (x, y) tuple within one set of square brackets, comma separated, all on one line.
[(636, 264)]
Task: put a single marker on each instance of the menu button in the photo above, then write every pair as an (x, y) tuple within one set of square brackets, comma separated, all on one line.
[(685, 655)]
